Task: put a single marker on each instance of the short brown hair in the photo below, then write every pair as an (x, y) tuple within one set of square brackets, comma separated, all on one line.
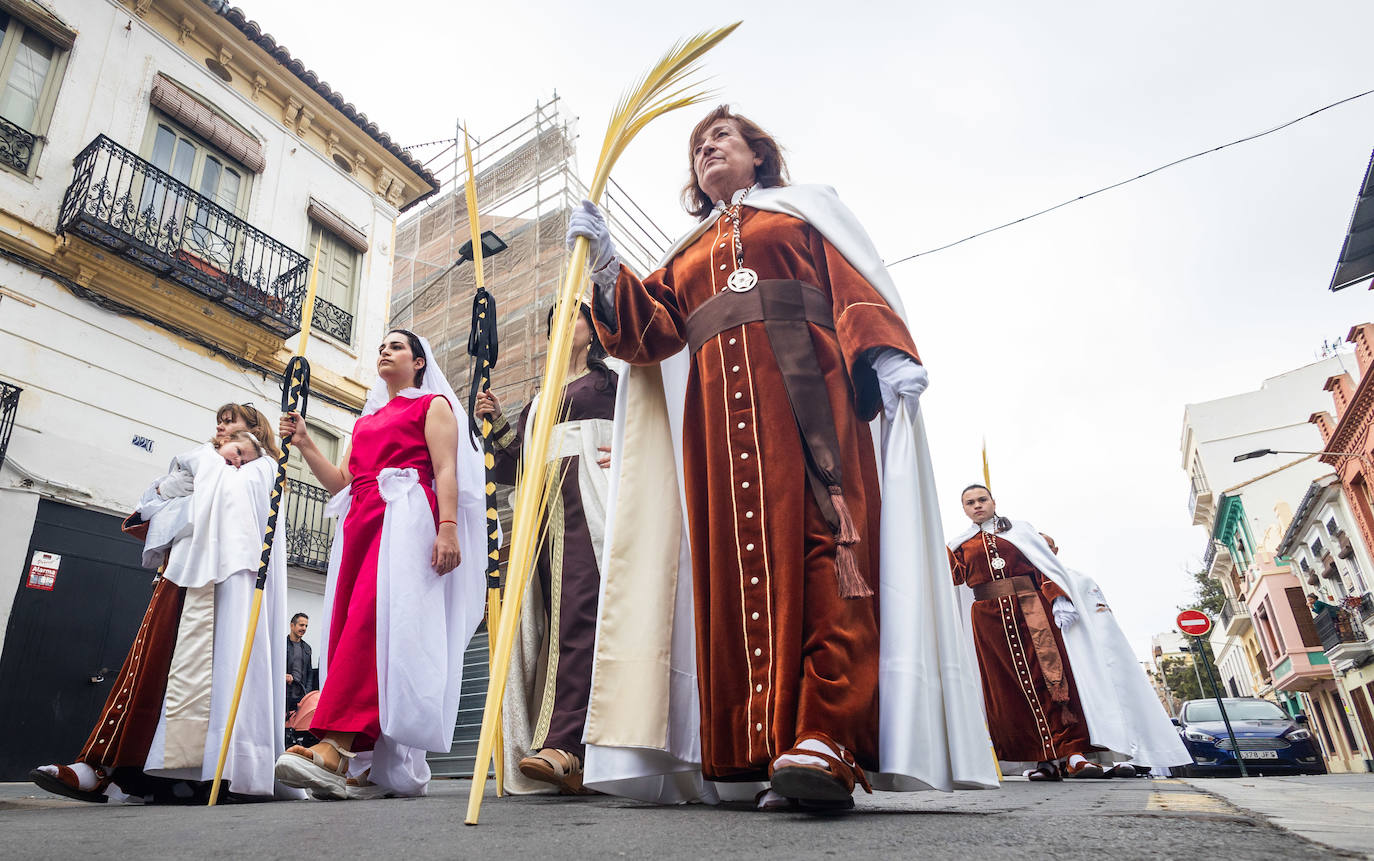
[(771, 172)]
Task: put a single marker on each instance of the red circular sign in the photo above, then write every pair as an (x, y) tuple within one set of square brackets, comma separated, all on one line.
[(1194, 623)]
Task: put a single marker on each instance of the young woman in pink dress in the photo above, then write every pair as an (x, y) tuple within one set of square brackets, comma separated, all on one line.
[(409, 494)]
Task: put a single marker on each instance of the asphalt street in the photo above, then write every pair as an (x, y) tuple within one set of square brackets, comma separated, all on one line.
[(1081, 819)]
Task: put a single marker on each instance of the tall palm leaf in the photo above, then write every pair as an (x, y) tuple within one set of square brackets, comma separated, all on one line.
[(662, 89)]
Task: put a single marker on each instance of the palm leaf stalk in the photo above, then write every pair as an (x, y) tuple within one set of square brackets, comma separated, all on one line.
[(295, 390), (482, 346), (664, 88)]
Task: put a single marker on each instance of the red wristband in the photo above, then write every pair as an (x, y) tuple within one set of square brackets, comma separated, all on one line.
[(442, 522)]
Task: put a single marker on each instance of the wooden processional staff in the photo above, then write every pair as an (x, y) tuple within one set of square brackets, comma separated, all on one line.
[(482, 346)]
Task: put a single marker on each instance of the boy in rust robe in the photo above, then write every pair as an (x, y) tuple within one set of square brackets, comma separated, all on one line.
[(781, 480)]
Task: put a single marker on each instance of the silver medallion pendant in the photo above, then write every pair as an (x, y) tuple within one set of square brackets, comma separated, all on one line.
[(742, 280), (999, 563)]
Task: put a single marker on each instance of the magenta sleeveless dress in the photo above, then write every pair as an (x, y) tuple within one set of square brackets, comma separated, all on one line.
[(394, 436)]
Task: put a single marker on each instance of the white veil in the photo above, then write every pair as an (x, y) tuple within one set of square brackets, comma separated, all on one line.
[(471, 469), (421, 640)]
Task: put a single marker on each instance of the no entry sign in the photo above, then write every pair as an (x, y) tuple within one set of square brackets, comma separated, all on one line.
[(1194, 623)]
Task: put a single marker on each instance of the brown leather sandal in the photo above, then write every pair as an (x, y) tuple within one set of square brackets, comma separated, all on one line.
[(555, 767), (777, 804), (1044, 772), (1085, 770), (65, 782), (819, 789)]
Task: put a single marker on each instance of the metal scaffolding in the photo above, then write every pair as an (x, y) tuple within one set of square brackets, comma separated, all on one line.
[(526, 187)]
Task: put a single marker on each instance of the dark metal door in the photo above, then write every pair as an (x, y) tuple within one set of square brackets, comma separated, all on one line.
[(64, 647)]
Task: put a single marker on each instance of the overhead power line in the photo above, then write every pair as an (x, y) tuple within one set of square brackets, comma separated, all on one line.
[(1151, 172)]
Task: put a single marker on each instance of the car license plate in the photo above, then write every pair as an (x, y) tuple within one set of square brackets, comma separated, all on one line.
[(1259, 754)]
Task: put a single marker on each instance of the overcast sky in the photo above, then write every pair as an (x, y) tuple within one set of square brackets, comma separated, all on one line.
[(1071, 342)]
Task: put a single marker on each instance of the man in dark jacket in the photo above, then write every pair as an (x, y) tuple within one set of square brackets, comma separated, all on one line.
[(300, 679)]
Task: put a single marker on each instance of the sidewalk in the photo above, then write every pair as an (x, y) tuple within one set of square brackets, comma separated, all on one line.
[(1333, 809)]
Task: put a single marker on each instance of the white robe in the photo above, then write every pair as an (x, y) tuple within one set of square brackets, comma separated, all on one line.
[(220, 555), (643, 740), (424, 621), (1123, 713)]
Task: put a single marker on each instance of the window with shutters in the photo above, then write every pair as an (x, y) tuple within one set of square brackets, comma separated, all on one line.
[(340, 265), (1297, 605), (31, 67), (174, 150)]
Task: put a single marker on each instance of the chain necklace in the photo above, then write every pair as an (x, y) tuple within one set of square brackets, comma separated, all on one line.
[(743, 279), (995, 559)]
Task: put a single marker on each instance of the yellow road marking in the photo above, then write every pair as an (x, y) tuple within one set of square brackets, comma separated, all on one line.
[(1187, 802)]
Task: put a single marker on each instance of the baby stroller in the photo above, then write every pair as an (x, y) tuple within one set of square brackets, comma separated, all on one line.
[(298, 722)]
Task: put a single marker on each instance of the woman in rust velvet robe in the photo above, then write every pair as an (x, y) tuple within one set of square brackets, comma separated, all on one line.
[(781, 656)]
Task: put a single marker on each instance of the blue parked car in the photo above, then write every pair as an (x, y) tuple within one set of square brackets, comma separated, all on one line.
[(1270, 741)]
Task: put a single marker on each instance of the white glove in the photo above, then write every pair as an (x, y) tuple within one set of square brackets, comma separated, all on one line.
[(901, 379), (1065, 614), (588, 221), (179, 482)]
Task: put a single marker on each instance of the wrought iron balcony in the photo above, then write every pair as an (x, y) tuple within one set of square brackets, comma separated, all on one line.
[(332, 321), (1234, 617), (308, 531), (9, 407), (127, 205), (16, 145), (1337, 627), (1209, 555)]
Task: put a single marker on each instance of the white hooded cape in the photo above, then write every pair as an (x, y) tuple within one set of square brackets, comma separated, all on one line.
[(218, 533), (643, 719), (1123, 713), (424, 621)]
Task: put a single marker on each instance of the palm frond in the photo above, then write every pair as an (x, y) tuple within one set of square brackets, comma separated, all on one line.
[(662, 89), (473, 223)]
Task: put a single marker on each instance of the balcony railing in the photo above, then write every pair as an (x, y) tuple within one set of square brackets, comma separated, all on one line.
[(308, 531), (123, 203), (1231, 610), (1209, 555), (1198, 487), (1336, 627), (16, 145), (9, 407), (332, 321)]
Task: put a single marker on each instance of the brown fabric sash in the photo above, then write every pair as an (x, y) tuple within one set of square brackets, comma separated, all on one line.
[(786, 307), (1022, 587), (728, 309)]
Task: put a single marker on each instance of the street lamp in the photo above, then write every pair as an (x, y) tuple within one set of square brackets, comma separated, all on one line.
[(491, 244), (1262, 452)]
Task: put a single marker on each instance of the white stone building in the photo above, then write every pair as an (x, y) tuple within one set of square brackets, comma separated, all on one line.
[(166, 170)]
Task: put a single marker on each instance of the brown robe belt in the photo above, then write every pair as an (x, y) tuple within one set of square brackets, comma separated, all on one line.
[(786, 307), (1022, 587)]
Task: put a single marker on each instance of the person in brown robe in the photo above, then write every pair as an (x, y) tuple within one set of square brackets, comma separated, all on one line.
[(567, 573), (785, 561), (1031, 701), (118, 745)]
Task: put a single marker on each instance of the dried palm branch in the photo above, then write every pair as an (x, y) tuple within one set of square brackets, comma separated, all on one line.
[(662, 89)]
